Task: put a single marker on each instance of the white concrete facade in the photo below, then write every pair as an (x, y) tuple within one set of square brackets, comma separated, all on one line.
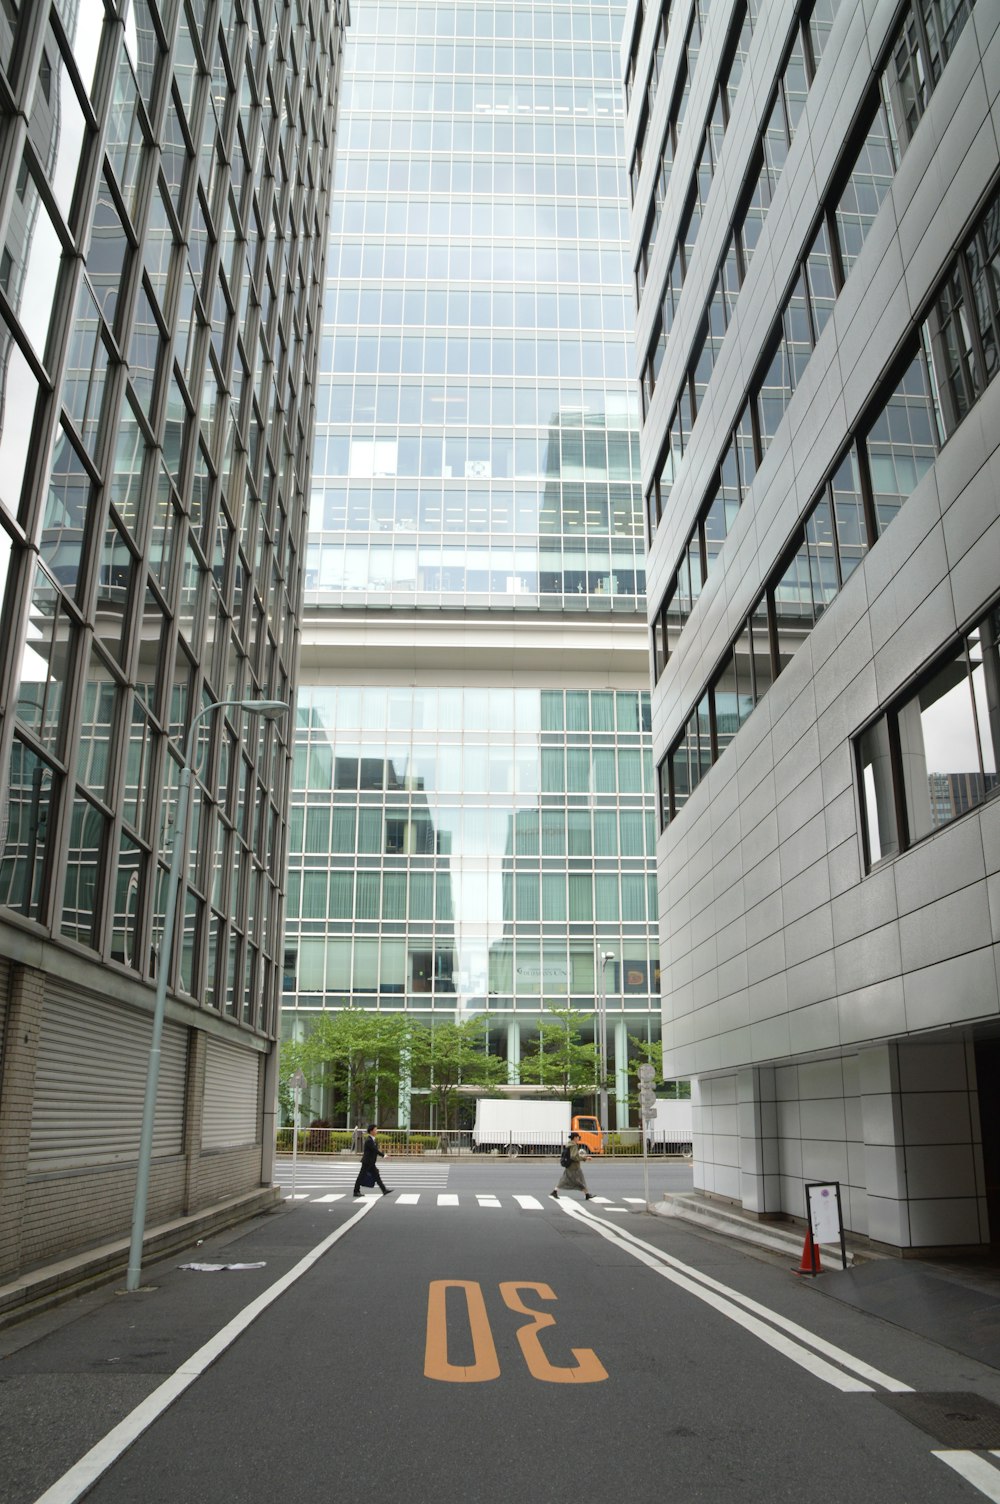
[(831, 1011)]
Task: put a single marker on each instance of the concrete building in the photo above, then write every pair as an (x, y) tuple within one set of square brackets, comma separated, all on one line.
[(164, 185), (473, 804), (816, 233)]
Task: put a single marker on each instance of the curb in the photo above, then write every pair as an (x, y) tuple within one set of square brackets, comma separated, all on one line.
[(40, 1289), (739, 1228)]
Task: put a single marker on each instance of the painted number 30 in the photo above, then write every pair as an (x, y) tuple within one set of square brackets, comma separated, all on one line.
[(588, 1368)]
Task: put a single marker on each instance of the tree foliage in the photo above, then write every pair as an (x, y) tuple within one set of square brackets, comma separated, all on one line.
[(361, 1057), (452, 1055), (558, 1058)]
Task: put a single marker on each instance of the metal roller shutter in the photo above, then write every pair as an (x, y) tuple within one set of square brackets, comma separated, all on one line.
[(230, 1113), (91, 1081)]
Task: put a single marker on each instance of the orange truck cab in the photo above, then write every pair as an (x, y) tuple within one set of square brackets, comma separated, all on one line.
[(590, 1133)]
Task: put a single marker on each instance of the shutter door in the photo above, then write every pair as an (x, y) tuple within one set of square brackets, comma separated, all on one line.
[(4, 993), (230, 1112), (91, 1082)]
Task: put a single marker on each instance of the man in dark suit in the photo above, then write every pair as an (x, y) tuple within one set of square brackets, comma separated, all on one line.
[(370, 1155)]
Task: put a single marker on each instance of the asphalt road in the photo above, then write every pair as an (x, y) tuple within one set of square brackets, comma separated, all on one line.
[(675, 1365)]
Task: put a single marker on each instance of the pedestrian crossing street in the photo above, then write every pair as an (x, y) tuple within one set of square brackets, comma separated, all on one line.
[(484, 1200)]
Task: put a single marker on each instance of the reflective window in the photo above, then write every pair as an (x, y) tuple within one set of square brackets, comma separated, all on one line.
[(933, 755), (29, 791), (867, 185)]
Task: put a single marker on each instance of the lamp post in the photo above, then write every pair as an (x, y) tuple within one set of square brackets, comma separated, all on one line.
[(604, 956), (271, 709)]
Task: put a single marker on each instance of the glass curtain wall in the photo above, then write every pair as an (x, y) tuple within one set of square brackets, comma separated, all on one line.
[(463, 846), (476, 443)]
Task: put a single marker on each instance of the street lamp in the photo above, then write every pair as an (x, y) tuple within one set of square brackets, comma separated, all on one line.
[(271, 709), (604, 956)]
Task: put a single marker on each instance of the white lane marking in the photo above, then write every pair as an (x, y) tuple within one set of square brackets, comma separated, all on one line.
[(82, 1476), (529, 1203), (617, 1208), (738, 1308), (801, 1333), (322, 1200), (299, 1196), (447, 1201), (975, 1470), (487, 1200), (634, 1200), (601, 1200), (408, 1200)]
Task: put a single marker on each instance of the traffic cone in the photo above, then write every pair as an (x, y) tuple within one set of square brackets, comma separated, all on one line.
[(810, 1261)]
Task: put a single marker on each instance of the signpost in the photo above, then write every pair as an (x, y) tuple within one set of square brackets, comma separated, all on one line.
[(826, 1220), (647, 1109), (296, 1081)]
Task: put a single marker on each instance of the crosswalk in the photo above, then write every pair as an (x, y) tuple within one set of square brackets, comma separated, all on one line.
[(483, 1200)]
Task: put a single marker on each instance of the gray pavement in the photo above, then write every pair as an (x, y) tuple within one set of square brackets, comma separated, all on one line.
[(326, 1393)]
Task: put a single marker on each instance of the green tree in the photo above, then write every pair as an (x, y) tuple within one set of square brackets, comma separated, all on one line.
[(289, 1061), (449, 1055), (356, 1053), (558, 1058), (642, 1052)]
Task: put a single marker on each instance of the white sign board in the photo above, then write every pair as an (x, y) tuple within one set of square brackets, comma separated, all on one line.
[(824, 1213), (297, 1081)]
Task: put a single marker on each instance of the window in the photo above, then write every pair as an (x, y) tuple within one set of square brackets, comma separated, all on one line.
[(928, 31), (902, 441), (933, 755), (867, 185)]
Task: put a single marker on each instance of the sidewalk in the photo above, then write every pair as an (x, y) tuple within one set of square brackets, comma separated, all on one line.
[(954, 1301), (38, 1289)]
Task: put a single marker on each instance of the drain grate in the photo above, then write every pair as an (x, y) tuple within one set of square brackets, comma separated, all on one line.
[(955, 1419)]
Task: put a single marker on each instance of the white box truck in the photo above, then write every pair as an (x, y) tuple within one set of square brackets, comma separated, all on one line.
[(671, 1129), (521, 1127)]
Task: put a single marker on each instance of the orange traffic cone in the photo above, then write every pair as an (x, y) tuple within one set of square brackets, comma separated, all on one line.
[(810, 1262)]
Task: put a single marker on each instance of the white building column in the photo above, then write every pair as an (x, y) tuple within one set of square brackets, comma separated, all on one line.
[(513, 1051), (885, 1161), (621, 1074), (757, 1120), (923, 1152), (405, 1098)]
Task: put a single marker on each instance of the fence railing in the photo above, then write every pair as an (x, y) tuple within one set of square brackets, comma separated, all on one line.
[(453, 1142)]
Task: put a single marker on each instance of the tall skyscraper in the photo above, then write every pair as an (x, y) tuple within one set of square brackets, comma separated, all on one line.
[(473, 804), (163, 222), (816, 241)]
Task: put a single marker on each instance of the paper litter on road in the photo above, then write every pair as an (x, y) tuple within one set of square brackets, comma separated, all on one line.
[(214, 1268)]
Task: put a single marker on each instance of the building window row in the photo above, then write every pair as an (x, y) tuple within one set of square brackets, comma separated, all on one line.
[(672, 133), (933, 386), (633, 49), (845, 220), (767, 162), (652, 85), (542, 111), (424, 962), (410, 894), (932, 755)]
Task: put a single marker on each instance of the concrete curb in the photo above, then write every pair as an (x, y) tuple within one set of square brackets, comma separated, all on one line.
[(40, 1289), (730, 1223)]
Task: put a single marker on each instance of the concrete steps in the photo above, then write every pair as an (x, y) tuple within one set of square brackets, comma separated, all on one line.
[(731, 1222)]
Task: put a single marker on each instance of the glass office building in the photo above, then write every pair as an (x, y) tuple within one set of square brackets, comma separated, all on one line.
[(472, 797), (163, 215)]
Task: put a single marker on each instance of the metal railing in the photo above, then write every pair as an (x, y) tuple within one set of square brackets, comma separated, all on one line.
[(624, 1143)]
